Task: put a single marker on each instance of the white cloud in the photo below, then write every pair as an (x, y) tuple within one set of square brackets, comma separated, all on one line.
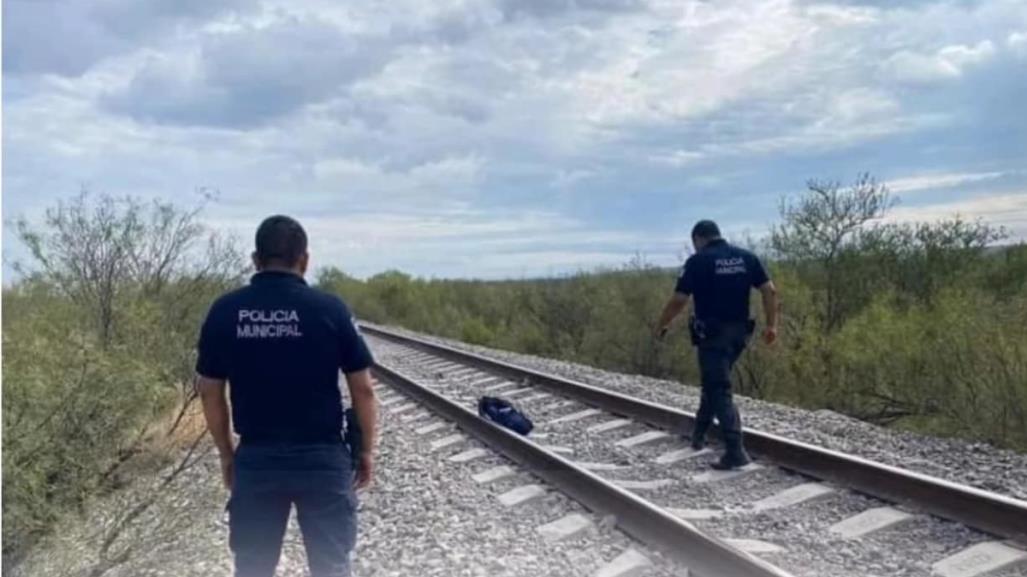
[(249, 75), (492, 245), (828, 120), (860, 104), (1006, 210), (450, 171), (949, 62), (678, 158), (961, 56), (69, 38), (502, 227), (707, 59), (1017, 43), (939, 181), (568, 178), (844, 15), (615, 118), (448, 177)]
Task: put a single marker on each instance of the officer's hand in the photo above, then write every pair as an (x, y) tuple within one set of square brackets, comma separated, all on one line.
[(228, 470), (770, 335), (365, 472)]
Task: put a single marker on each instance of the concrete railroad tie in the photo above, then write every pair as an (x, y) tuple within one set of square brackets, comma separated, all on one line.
[(521, 495), (469, 455), (446, 442), (680, 455), (711, 476), (493, 474), (869, 521), (431, 428), (793, 496), (630, 563), (608, 426), (574, 416), (979, 559), (642, 439), (565, 527)]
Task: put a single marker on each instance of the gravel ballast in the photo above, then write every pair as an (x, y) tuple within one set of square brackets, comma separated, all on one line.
[(425, 515), (428, 516), (970, 463), (806, 547)]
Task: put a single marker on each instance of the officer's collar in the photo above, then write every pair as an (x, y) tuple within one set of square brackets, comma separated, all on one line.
[(714, 242), (266, 276)]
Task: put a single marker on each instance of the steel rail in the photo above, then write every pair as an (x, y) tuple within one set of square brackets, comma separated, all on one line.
[(702, 554), (983, 510)]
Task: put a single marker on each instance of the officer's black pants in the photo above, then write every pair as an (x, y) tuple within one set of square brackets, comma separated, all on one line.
[(717, 356), (269, 480)]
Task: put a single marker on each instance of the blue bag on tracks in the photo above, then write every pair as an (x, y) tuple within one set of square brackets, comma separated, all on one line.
[(502, 412)]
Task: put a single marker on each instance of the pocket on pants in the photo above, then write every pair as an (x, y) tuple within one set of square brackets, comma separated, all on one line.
[(328, 520)]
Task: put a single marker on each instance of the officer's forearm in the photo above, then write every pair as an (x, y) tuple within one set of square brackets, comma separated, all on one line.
[(770, 303), (215, 411), (361, 392), (672, 309)]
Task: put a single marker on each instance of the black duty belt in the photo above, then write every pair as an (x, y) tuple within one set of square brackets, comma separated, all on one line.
[(702, 330), (291, 439)]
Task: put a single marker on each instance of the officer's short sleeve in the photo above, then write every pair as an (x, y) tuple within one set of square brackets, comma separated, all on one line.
[(686, 282), (353, 352), (212, 361), (757, 272)]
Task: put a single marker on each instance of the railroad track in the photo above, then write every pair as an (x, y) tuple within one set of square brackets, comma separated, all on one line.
[(800, 509)]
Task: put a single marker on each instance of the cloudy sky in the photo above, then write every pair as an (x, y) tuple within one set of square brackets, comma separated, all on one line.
[(496, 138)]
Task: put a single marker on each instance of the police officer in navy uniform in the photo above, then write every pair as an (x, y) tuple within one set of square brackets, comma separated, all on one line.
[(720, 276), (281, 345)]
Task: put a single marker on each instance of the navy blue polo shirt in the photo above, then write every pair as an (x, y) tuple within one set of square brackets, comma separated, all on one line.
[(719, 278), (281, 344)]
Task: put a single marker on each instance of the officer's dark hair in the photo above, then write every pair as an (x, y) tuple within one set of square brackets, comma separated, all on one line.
[(280, 241), (706, 229)]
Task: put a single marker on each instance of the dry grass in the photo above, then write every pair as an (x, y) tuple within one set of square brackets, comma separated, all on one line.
[(162, 443), (191, 425)]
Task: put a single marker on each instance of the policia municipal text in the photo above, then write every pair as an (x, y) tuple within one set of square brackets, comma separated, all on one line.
[(281, 345), (719, 276)]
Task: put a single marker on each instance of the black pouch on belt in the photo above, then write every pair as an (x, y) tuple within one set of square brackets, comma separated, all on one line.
[(354, 437), (698, 330)]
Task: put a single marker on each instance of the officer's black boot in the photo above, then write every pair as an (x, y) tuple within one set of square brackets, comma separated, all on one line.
[(703, 420), (731, 431), (734, 456), (732, 460), (698, 438)]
